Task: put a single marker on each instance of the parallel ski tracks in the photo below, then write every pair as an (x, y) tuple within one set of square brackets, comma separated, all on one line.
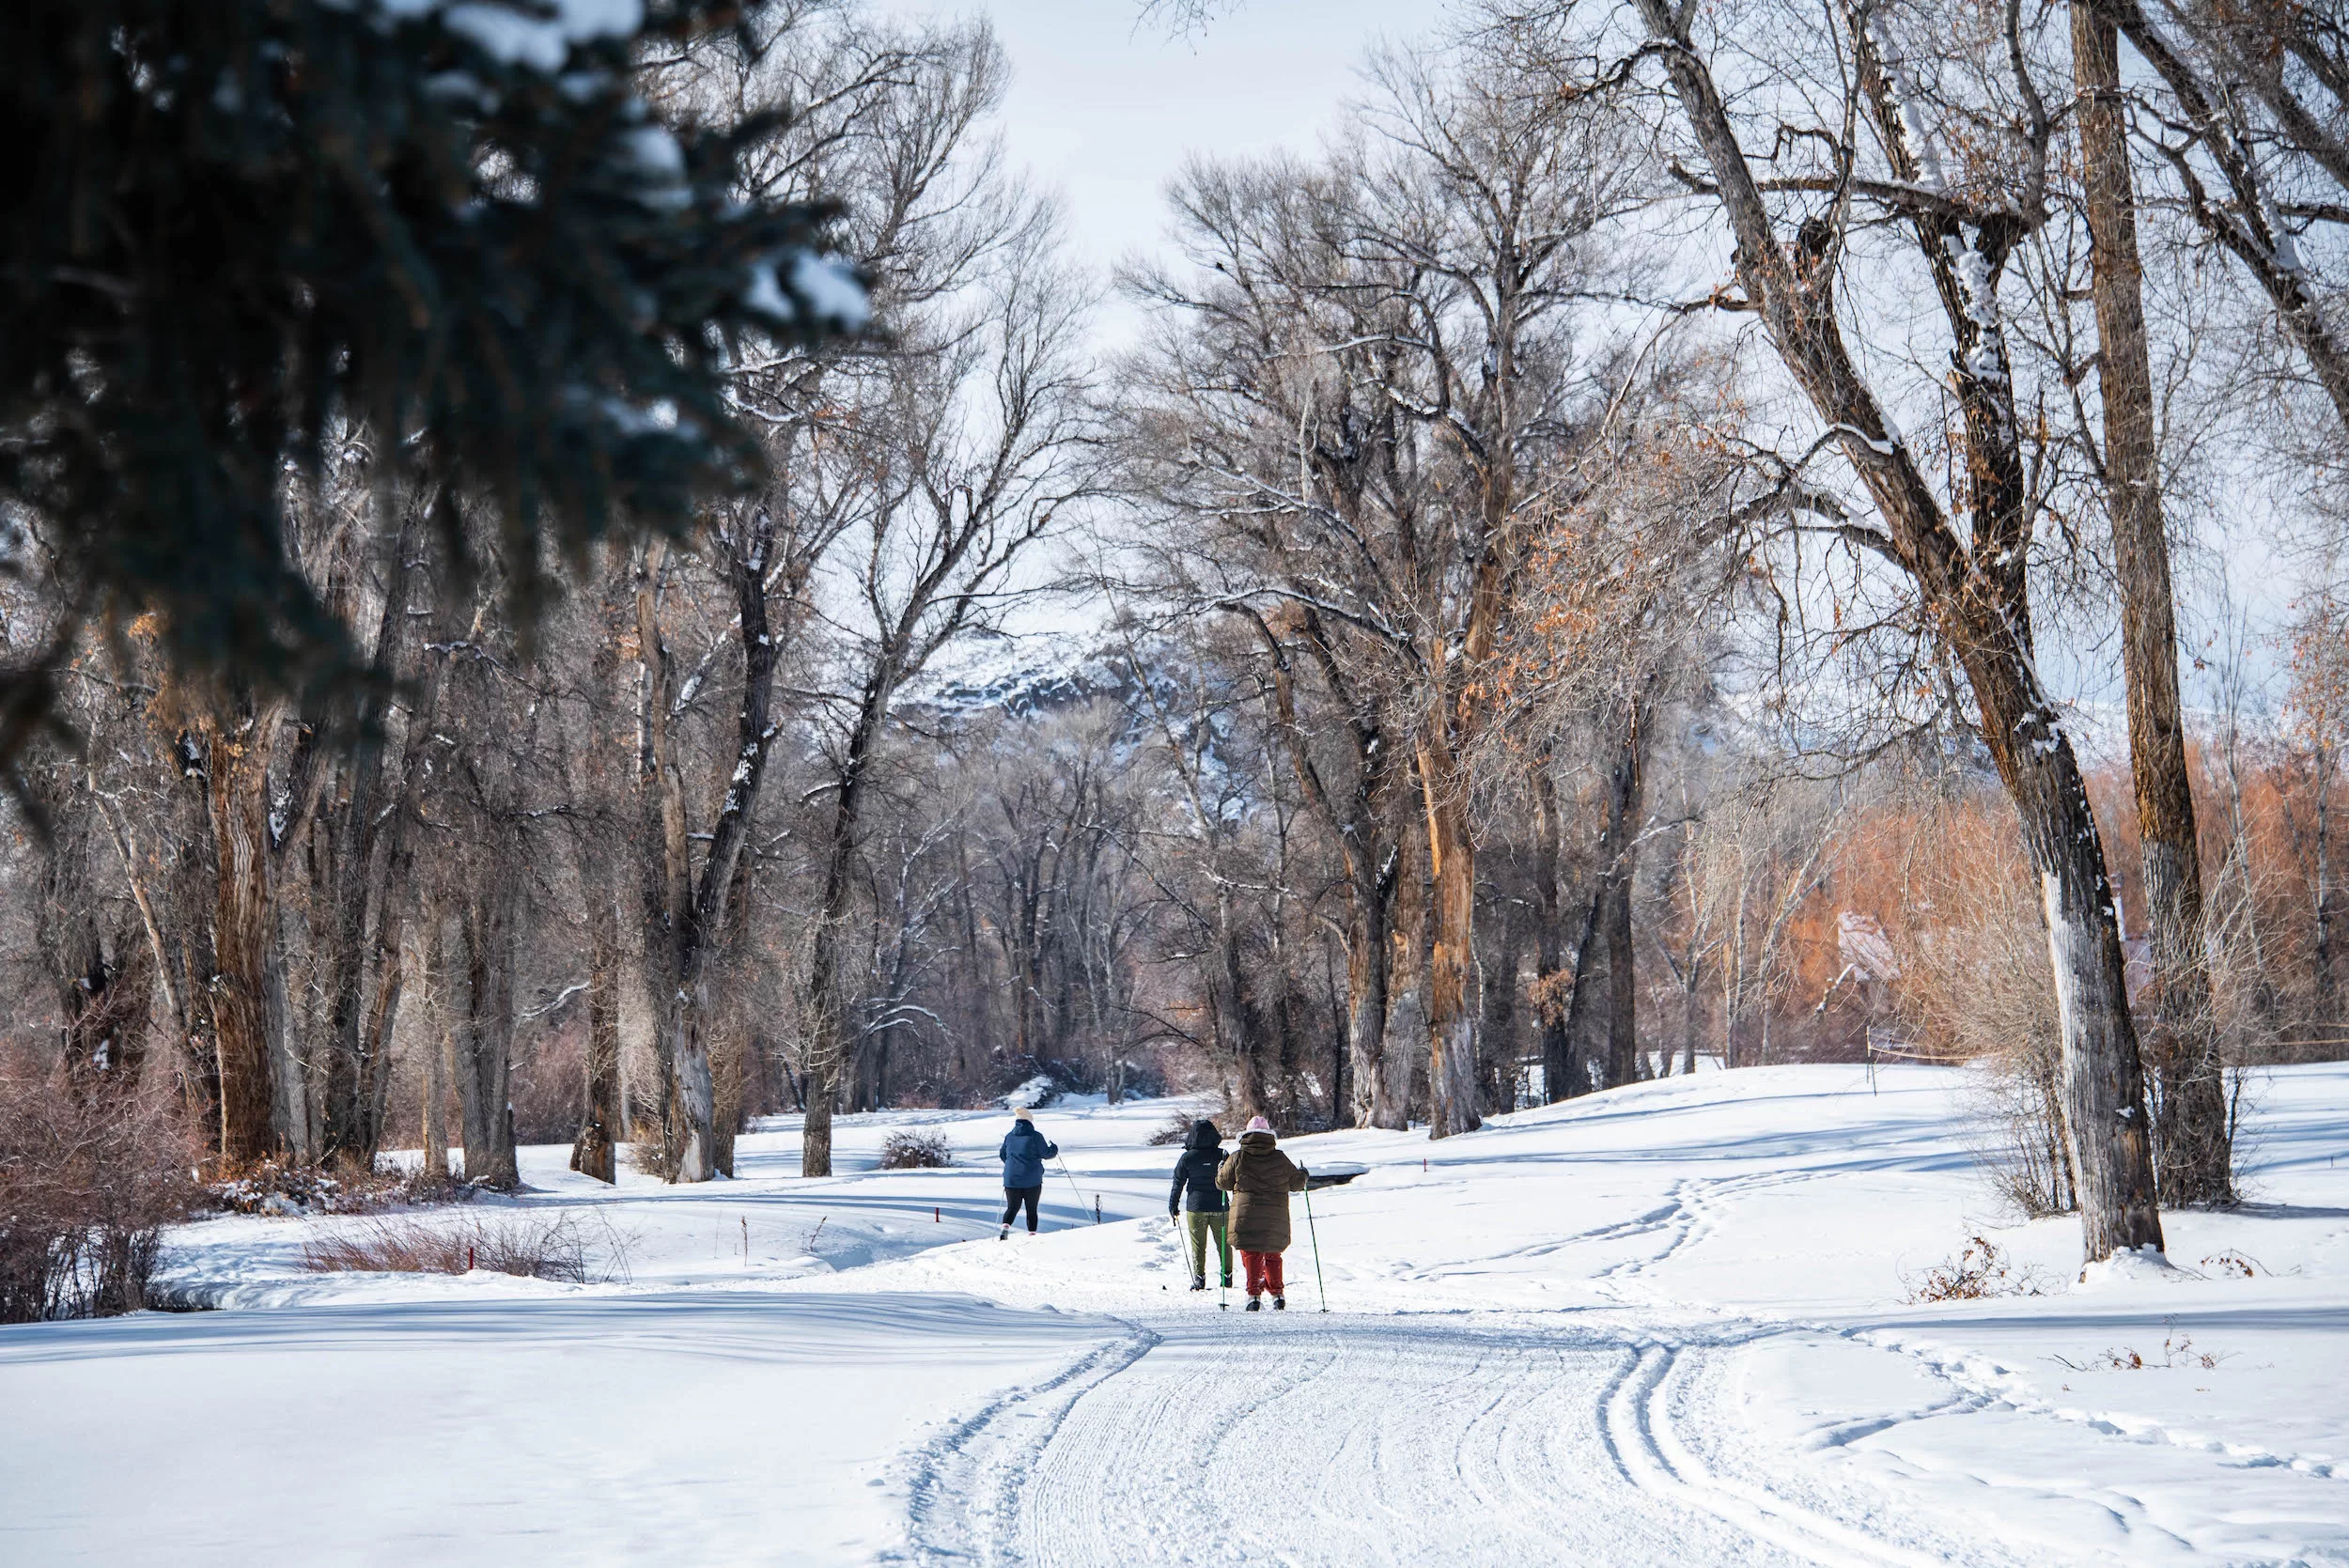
[(1361, 1440), (1461, 1438), (1647, 1446)]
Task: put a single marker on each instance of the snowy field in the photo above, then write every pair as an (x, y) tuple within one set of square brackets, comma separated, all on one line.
[(1668, 1324)]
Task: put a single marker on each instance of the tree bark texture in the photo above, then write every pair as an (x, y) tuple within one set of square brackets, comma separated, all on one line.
[(439, 974), (1548, 940), (690, 1016), (1452, 907), (834, 1031), (2196, 1164), (594, 1152), (483, 1043), (1406, 968), (236, 762), (1626, 799)]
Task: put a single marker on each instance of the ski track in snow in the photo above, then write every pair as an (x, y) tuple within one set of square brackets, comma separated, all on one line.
[(1205, 1439), (1209, 1438)]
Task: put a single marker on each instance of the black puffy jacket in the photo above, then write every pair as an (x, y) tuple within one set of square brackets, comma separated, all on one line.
[(1195, 1174)]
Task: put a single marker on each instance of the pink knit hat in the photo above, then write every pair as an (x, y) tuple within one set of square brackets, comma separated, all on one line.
[(1257, 1124)]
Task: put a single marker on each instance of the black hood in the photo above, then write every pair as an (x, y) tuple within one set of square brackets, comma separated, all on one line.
[(1204, 1135)]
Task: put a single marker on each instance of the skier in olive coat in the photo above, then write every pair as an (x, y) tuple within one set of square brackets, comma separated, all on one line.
[(1260, 1178), (1201, 1201)]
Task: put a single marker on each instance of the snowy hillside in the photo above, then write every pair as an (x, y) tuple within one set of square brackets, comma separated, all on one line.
[(1665, 1325)]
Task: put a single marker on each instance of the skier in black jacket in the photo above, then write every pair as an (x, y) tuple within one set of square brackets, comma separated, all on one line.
[(1200, 1201)]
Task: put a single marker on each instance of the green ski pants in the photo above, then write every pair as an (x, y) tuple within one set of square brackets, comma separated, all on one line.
[(1199, 1227)]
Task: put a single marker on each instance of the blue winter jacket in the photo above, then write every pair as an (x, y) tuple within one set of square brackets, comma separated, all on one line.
[(1023, 1154)]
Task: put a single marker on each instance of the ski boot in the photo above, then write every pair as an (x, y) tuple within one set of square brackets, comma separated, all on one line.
[(1280, 1303), (1199, 1281), (1003, 1235), (1254, 1305)]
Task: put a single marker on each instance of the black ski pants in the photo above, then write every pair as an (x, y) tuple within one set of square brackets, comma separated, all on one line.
[(1015, 1196)]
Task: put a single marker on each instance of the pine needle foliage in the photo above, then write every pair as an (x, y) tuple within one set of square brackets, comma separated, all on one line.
[(231, 228)]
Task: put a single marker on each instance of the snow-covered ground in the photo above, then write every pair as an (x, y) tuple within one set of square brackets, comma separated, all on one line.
[(1664, 1324)]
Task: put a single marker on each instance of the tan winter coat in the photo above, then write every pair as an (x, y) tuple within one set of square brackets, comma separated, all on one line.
[(1260, 1178)]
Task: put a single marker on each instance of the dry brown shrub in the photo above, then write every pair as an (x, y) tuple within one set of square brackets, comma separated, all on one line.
[(536, 1246), (2177, 1351), (1978, 1273), (89, 1176)]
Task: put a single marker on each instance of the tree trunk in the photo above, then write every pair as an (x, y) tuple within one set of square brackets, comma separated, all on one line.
[(1689, 1020), (237, 757), (1451, 906), (661, 821), (1627, 798), (439, 979), (1571, 1024), (593, 1152), (1368, 954), (1548, 940), (483, 1042), (705, 923), (834, 1031), (2189, 1087), (1498, 1050), (2323, 953), (1407, 971)]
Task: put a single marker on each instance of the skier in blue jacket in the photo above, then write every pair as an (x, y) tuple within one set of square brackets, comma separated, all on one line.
[(1023, 1154)]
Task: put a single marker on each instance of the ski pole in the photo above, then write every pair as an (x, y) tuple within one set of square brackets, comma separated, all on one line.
[(1316, 1234), (1079, 1191)]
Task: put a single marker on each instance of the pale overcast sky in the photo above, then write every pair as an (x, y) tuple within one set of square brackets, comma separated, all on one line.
[(1104, 107)]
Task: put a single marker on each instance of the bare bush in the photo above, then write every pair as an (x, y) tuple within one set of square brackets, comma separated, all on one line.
[(654, 1156), (2177, 1351), (1978, 1273), (284, 1188), (1175, 1128), (907, 1150), (535, 1247), (88, 1178), (1975, 986)]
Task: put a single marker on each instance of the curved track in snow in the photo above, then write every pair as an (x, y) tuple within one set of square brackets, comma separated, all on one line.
[(1305, 1439)]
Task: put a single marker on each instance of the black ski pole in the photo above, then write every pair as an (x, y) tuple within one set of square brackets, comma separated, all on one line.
[(1316, 1234)]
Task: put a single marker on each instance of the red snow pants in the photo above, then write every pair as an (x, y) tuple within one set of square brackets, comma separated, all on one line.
[(1264, 1273)]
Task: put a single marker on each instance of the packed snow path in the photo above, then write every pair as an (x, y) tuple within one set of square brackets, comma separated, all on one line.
[(1302, 1439)]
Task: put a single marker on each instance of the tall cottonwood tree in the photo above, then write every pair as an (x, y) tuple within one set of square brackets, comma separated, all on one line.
[(1973, 593), (2191, 1122), (962, 447), (1374, 366)]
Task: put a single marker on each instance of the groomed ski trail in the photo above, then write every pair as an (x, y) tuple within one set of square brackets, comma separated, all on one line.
[(1304, 1439)]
